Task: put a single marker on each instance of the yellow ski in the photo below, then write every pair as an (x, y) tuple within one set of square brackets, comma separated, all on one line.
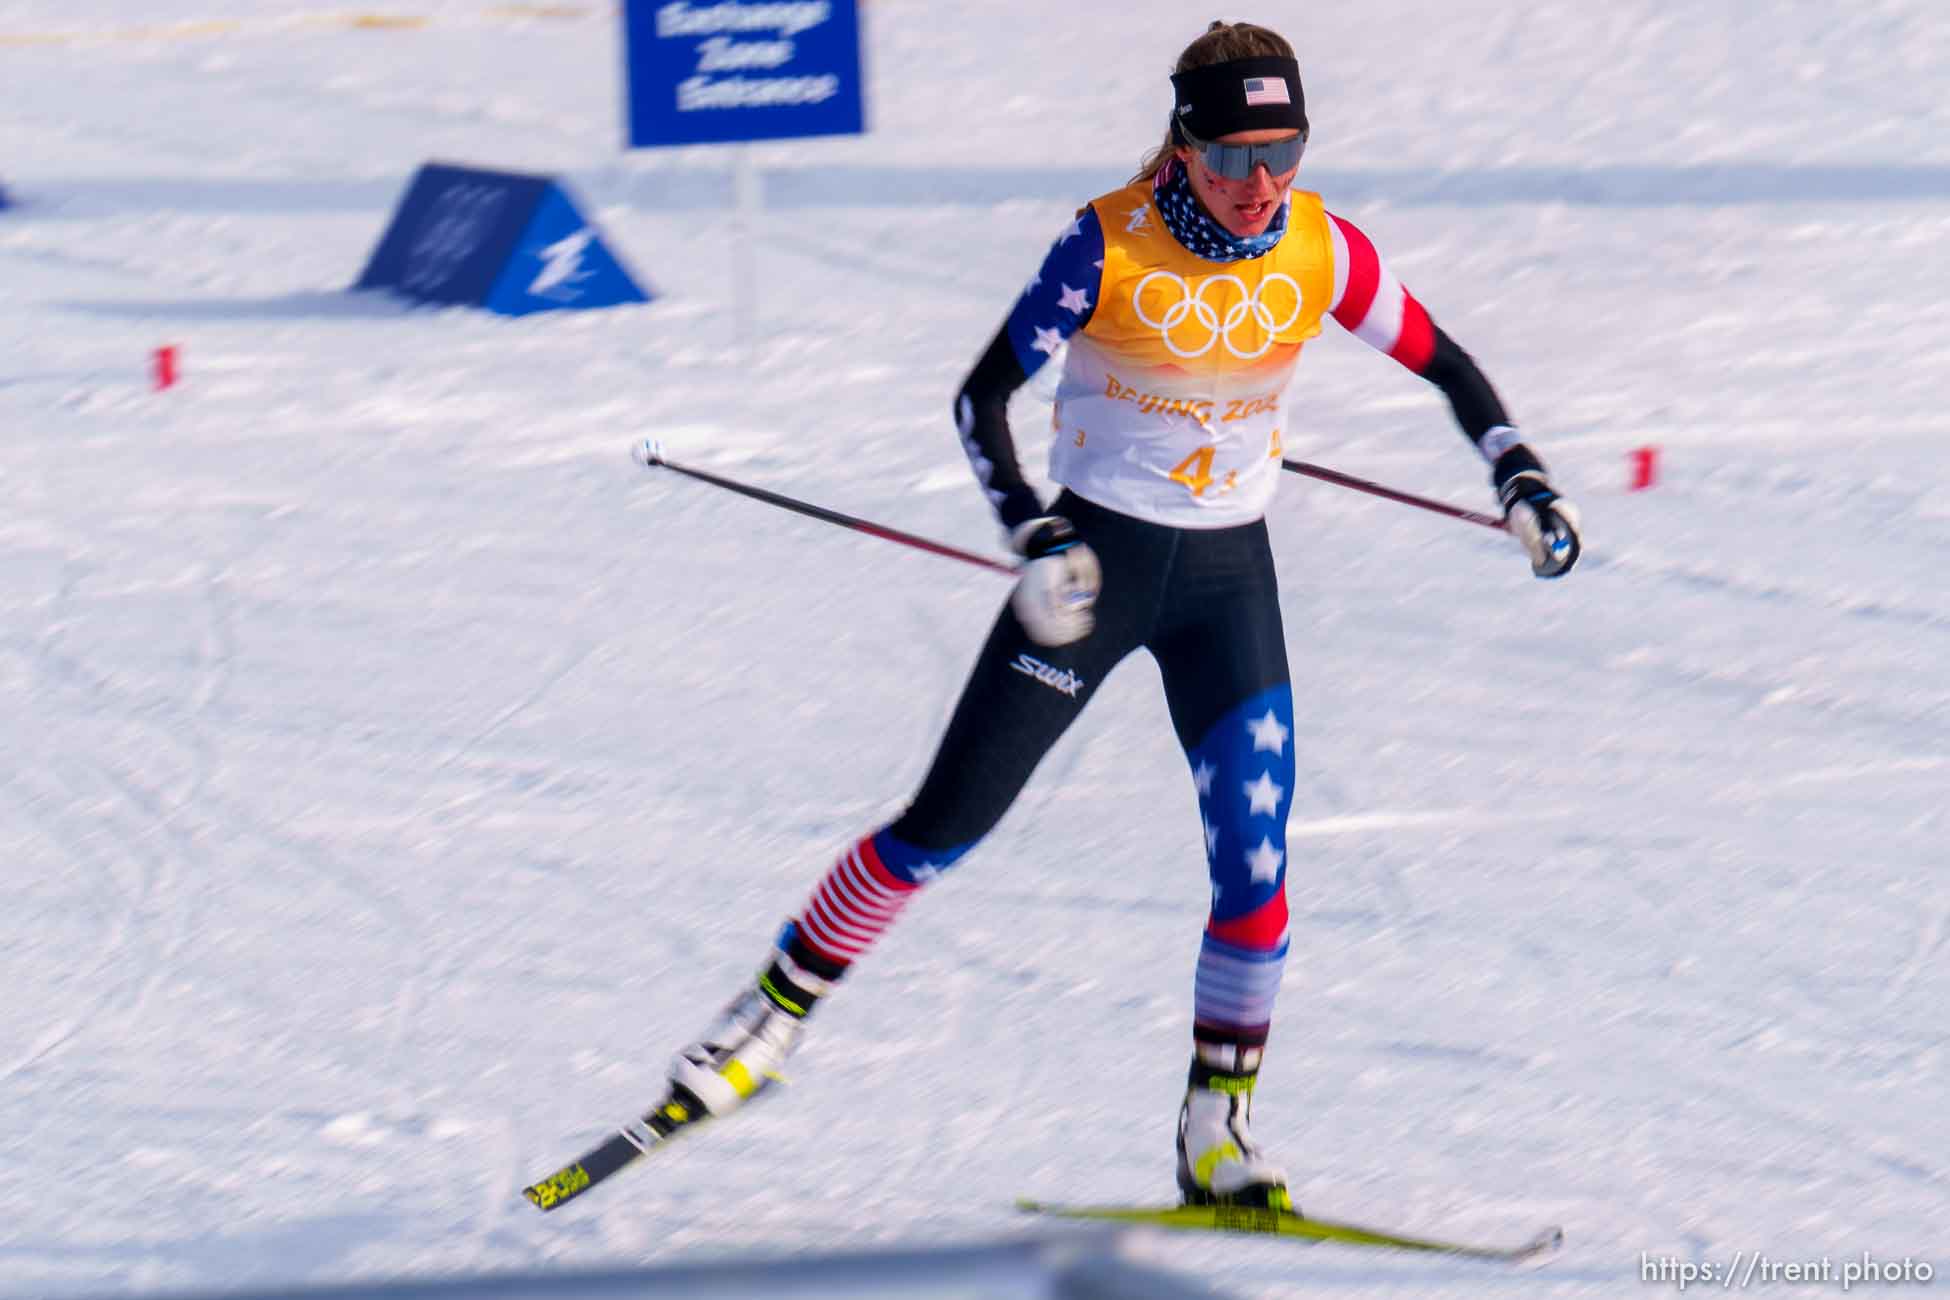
[(1285, 1223)]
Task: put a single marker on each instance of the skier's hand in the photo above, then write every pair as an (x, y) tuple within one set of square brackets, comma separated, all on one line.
[(1543, 522), (1059, 582)]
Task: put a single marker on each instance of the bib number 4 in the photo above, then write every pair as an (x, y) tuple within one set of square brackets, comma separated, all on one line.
[(1198, 475)]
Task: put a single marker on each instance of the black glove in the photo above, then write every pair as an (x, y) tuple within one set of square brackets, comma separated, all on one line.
[(1542, 521), (1059, 583)]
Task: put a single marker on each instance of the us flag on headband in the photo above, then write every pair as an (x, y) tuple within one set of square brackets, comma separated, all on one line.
[(1266, 90)]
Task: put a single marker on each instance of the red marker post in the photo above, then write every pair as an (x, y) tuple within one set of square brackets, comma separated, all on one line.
[(165, 367), (1645, 468)]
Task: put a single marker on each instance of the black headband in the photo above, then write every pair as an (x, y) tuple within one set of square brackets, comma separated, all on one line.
[(1253, 94)]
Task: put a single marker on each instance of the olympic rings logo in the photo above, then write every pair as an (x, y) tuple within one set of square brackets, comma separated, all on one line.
[(1191, 304)]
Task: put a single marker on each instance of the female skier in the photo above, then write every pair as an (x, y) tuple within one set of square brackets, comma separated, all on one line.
[(1185, 299)]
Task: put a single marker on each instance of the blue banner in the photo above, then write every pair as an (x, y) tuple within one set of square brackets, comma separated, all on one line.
[(714, 71), (560, 261), (506, 241)]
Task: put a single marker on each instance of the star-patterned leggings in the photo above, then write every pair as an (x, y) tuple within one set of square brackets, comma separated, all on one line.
[(1205, 603)]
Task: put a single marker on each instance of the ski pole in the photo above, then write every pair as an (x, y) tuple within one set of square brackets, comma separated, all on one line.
[(1339, 479), (651, 455)]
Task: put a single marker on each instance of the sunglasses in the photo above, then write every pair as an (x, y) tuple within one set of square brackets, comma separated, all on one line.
[(1236, 162)]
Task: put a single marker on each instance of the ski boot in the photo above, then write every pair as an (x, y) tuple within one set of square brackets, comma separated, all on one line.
[(740, 1054), (1218, 1162)]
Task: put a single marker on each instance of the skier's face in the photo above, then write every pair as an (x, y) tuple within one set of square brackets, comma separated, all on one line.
[(1245, 208)]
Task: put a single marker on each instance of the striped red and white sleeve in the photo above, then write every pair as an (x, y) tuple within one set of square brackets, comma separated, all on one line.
[(1374, 307), (1372, 304)]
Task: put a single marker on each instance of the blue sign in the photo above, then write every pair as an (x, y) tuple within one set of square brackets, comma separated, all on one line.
[(506, 241), (713, 71)]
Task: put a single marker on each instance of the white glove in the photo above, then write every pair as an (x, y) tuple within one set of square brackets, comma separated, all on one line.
[(1059, 584), (1544, 522)]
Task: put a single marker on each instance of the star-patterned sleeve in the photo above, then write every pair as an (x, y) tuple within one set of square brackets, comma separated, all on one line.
[(1058, 300), (1056, 303), (1379, 310)]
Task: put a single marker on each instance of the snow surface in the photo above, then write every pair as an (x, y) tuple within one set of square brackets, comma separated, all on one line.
[(396, 773)]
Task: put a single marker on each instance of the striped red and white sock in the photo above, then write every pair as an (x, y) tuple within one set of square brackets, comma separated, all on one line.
[(857, 900)]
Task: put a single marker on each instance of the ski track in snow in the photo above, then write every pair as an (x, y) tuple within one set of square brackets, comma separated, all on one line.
[(143, 941), (401, 773)]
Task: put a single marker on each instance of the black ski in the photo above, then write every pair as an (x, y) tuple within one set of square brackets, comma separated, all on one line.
[(676, 1113)]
